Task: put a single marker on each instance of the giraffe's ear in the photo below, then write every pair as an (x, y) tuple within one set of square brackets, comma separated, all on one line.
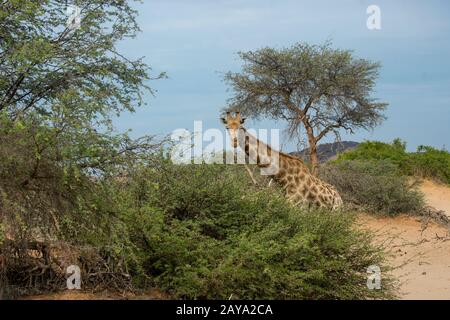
[(243, 120), (223, 120)]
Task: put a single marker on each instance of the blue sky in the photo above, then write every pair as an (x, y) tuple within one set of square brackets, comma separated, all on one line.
[(196, 41)]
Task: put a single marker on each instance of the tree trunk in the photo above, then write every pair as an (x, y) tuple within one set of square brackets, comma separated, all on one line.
[(312, 150), (314, 159)]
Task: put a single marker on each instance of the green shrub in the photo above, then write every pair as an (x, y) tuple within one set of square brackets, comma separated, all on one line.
[(49, 202), (204, 231), (427, 162), (374, 185), (395, 152), (194, 231)]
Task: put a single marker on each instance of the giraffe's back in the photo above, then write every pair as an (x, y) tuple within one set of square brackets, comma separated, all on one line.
[(336, 201), (328, 195), (303, 188)]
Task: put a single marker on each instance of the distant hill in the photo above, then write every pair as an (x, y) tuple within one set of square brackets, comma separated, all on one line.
[(327, 151)]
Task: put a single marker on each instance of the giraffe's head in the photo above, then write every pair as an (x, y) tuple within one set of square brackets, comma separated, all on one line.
[(233, 125)]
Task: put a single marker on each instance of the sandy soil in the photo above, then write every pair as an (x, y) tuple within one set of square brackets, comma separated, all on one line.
[(420, 253), (437, 195)]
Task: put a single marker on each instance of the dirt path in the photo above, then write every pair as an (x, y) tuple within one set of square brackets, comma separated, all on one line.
[(421, 254)]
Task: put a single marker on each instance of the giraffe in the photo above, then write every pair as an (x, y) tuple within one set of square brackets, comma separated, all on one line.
[(301, 187)]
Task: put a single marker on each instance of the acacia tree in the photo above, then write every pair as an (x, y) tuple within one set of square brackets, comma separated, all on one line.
[(70, 78), (60, 86), (321, 89)]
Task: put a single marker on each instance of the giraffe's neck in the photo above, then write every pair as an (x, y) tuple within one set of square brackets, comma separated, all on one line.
[(261, 154), (258, 152), (300, 186)]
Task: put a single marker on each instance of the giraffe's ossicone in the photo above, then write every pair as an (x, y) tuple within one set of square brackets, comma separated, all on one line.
[(301, 187)]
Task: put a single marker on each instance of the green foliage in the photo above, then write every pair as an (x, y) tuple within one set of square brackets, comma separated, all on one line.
[(70, 194), (282, 82), (55, 189), (205, 232), (49, 68), (195, 231), (57, 88), (432, 163), (375, 150), (375, 185), (427, 162)]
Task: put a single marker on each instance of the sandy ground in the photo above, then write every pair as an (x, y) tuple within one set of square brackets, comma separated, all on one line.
[(420, 253), (437, 195)]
